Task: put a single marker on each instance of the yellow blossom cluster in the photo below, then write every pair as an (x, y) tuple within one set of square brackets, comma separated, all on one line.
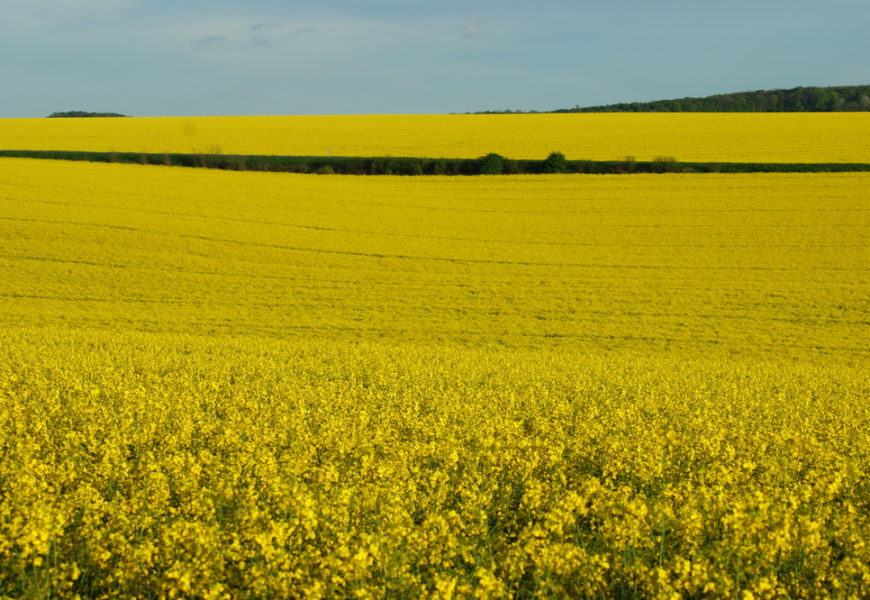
[(141, 465)]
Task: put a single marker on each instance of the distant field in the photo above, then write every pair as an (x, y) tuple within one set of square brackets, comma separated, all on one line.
[(717, 137), (258, 385)]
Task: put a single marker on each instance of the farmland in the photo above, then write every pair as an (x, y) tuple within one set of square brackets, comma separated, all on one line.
[(702, 137), (247, 385), (747, 264)]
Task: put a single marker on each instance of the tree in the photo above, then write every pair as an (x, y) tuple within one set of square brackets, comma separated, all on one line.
[(491, 164), (82, 113), (664, 164), (556, 163)]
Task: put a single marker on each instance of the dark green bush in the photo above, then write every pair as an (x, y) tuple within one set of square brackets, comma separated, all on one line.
[(556, 163), (491, 164), (665, 164)]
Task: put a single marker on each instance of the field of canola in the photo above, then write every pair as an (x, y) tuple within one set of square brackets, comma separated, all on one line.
[(707, 137), (254, 385)]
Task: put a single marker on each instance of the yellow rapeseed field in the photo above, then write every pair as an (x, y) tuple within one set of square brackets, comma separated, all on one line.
[(743, 263), (259, 385), (715, 137)]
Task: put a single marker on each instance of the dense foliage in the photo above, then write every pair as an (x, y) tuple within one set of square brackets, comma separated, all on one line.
[(799, 99), (491, 164), (82, 113)]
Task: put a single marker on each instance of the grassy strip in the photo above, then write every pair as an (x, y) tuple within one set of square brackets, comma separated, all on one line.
[(491, 164)]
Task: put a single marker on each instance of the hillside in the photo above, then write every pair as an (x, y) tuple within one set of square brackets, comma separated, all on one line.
[(799, 99), (515, 260), (257, 385)]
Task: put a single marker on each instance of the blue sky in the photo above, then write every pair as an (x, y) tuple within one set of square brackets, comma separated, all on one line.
[(216, 57)]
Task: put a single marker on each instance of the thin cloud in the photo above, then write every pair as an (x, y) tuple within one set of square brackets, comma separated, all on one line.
[(264, 27), (67, 6), (471, 29), (310, 30), (213, 40), (39, 15), (263, 34)]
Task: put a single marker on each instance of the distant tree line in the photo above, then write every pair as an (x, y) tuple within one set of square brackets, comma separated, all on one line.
[(799, 99), (82, 113), (490, 164)]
